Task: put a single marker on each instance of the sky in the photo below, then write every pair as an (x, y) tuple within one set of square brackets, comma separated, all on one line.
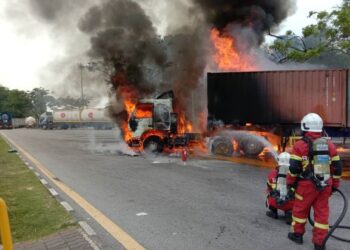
[(28, 48)]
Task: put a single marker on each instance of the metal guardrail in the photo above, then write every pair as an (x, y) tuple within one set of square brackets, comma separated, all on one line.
[(5, 230)]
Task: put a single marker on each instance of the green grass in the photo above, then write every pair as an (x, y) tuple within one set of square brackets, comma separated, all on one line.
[(33, 212)]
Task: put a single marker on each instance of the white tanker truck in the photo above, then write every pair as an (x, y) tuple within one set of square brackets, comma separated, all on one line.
[(75, 118)]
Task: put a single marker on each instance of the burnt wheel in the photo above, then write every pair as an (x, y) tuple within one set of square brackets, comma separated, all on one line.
[(251, 146), (222, 146), (153, 145)]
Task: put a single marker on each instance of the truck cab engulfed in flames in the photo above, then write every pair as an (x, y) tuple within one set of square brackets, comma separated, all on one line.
[(154, 125)]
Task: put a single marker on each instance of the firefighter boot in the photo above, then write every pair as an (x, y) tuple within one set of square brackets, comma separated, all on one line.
[(297, 238), (272, 213), (318, 247), (288, 217)]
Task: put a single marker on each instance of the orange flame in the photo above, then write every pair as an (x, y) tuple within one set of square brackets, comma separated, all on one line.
[(143, 114), (144, 111), (128, 95), (226, 56), (184, 126)]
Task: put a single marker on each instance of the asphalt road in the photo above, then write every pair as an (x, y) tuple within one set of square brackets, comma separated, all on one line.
[(203, 205)]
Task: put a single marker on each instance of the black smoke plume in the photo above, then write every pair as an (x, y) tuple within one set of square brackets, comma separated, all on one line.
[(123, 36), (259, 15)]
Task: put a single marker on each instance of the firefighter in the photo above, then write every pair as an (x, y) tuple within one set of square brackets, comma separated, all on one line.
[(278, 196), (315, 170)]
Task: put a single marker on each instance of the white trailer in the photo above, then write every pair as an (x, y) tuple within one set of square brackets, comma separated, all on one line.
[(87, 117)]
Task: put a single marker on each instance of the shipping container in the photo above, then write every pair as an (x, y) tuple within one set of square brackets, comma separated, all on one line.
[(279, 97)]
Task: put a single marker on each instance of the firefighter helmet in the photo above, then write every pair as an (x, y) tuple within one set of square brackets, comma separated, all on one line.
[(312, 123), (283, 159)]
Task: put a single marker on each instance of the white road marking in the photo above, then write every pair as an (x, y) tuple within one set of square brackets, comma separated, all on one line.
[(67, 206), (43, 181), (92, 244), (53, 192), (37, 174), (87, 228)]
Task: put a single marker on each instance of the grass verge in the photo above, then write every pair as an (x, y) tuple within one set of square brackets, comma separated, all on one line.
[(33, 212)]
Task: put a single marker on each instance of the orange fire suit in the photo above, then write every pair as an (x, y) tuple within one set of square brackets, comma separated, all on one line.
[(271, 201), (306, 194)]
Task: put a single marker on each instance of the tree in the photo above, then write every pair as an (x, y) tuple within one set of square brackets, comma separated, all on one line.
[(40, 100), (330, 35), (3, 97), (15, 101)]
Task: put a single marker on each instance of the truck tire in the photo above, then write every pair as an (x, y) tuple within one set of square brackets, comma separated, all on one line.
[(222, 146), (153, 144), (251, 146)]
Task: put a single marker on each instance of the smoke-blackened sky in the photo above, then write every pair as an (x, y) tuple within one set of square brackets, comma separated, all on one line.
[(122, 34), (259, 14)]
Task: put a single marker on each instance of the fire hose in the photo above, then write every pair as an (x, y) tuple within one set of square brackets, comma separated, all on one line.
[(337, 222)]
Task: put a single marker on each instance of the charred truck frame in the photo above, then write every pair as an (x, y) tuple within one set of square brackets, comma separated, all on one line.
[(154, 125)]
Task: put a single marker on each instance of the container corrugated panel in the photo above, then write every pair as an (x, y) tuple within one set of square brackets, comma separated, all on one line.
[(278, 97)]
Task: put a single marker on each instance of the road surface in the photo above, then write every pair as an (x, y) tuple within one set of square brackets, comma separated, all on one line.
[(159, 202)]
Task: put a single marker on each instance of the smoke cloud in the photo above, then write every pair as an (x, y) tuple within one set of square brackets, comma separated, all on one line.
[(56, 21), (259, 15), (124, 37)]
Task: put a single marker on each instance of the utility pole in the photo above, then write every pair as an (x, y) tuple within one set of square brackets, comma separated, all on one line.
[(81, 84), (89, 66)]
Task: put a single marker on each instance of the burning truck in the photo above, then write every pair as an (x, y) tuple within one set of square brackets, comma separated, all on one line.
[(267, 104), (226, 37), (153, 125)]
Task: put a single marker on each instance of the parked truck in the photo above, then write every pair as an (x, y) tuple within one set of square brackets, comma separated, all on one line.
[(268, 104), (18, 122), (64, 119), (5, 120)]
